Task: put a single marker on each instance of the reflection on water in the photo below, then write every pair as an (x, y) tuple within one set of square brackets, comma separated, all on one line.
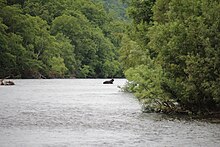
[(77, 112)]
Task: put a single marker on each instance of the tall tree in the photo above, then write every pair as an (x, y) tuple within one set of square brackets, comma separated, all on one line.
[(182, 45)]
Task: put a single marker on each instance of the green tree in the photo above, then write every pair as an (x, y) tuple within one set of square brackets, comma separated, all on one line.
[(91, 46), (67, 52), (182, 44), (58, 38), (191, 67), (141, 10)]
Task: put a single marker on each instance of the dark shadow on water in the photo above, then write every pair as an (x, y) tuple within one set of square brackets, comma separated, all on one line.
[(179, 117)]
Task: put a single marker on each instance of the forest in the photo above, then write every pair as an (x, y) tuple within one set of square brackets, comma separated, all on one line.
[(60, 39), (169, 50)]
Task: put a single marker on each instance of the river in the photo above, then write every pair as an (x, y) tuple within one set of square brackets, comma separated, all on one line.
[(84, 112)]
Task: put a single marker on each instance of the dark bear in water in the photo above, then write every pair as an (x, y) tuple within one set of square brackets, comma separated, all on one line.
[(109, 82), (9, 83)]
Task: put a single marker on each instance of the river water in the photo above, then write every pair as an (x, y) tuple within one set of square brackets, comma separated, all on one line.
[(84, 112)]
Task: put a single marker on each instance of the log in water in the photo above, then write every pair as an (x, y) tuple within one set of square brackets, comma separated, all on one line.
[(79, 112)]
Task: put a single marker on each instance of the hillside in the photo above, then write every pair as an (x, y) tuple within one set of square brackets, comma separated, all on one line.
[(63, 38)]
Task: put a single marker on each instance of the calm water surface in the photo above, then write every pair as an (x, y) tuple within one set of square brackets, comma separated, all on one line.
[(79, 112)]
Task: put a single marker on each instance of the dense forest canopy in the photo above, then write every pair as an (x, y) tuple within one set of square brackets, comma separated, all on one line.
[(115, 7), (171, 54), (62, 38)]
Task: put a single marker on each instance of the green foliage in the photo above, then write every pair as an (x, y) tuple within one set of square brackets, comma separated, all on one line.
[(131, 53), (146, 85), (84, 71), (111, 68), (62, 38), (67, 53), (58, 68), (114, 8), (192, 62), (91, 47), (183, 41), (140, 11)]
